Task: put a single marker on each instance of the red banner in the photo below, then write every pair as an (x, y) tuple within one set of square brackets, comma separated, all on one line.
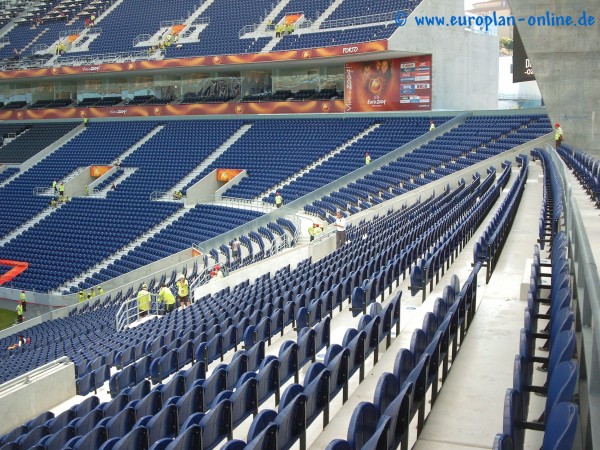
[(201, 109), (18, 267), (98, 171), (227, 174), (202, 61), (388, 85)]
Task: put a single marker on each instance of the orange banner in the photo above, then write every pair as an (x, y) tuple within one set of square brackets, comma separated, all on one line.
[(98, 171), (227, 174), (73, 37), (388, 85), (176, 29), (18, 268), (292, 18), (313, 53), (308, 107)]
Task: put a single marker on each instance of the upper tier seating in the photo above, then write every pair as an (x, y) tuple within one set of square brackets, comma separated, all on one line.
[(391, 134), (475, 140), (37, 137), (178, 147)]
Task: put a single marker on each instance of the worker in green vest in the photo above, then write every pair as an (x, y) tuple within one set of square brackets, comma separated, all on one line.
[(61, 190), (23, 299), (81, 297), (92, 292), (278, 200), (143, 299), (87, 190), (165, 295), (314, 229), (19, 313), (100, 290), (85, 121)]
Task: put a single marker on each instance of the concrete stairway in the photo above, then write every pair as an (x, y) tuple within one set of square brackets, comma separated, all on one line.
[(30, 223), (122, 252), (317, 163), (208, 161)]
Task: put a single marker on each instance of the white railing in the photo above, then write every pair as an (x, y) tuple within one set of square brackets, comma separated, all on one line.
[(39, 48), (141, 38), (171, 23), (102, 58), (201, 21), (362, 20), (129, 311), (67, 33), (40, 190), (94, 30)]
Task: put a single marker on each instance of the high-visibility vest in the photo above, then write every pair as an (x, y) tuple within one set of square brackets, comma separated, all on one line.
[(143, 300), (183, 288), (81, 297), (278, 199), (22, 297), (165, 295), (19, 310)]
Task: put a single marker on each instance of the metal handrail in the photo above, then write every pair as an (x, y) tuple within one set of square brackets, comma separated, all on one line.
[(141, 38), (129, 312), (40, 190), (361, 20), (171, 23), (201, 21), (65, 33), (587, 296)]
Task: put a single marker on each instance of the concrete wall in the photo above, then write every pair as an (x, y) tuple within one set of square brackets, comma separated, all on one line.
[(203, 189), (566, 62), (233, 182), (464, 63), (37, 391), (75, 187)]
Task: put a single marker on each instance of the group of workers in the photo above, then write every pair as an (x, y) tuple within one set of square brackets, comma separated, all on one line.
[(60, 48), (281, 29), (166, 43), (90, 295), (165, 296)]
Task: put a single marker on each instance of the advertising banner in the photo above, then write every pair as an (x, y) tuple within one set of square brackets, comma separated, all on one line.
[(98, 171), (201, 61), (200, 109), (401, 84), (522, 70), (227, 174)]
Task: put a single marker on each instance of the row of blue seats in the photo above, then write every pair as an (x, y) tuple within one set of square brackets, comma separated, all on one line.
[(487, 249), (397, 169), (560, 415), (402, 395), (585, 167), (434, 262)]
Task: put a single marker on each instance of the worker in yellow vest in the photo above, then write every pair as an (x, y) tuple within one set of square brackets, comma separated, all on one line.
[(558, 135), (81, 297), (278, 200), (183, 291), (165, 295), (19, 313), (143, 299), (23, 299)]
